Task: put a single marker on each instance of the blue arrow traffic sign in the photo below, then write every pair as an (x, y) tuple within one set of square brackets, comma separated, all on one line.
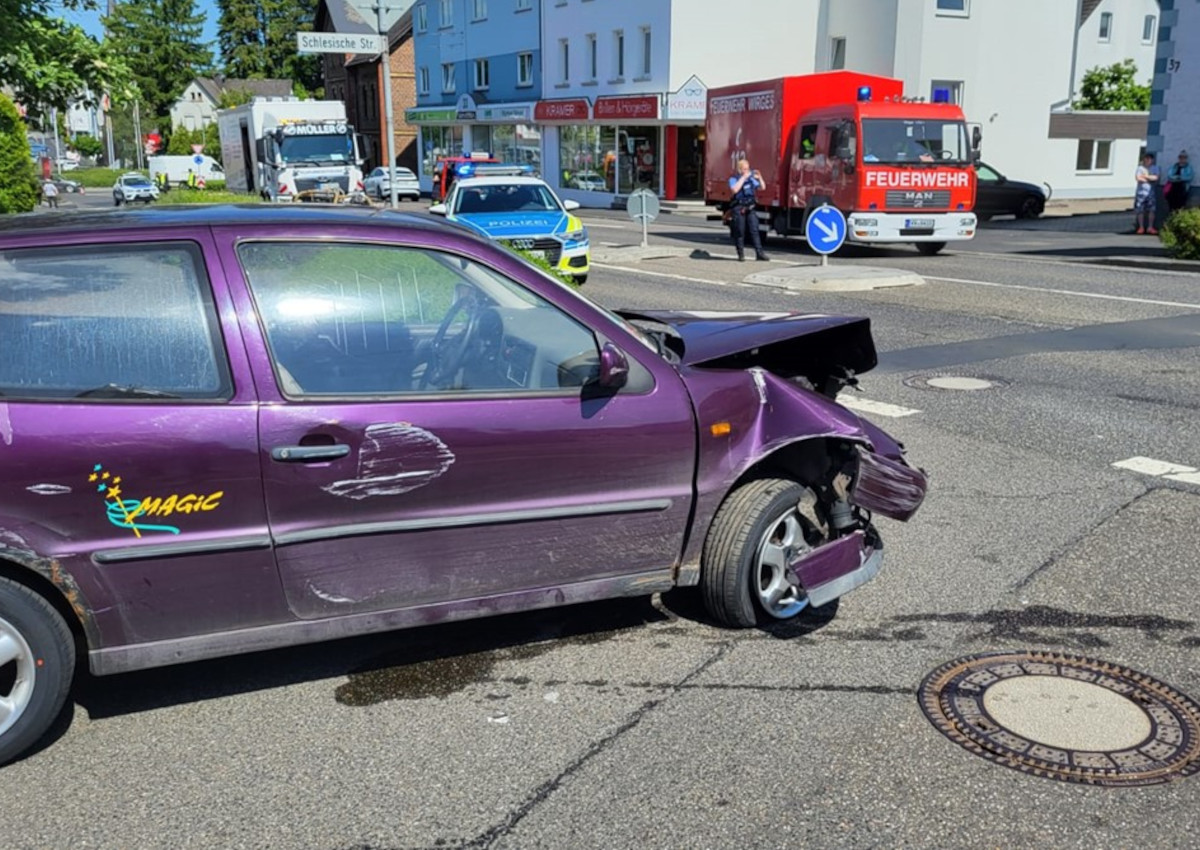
[(826, 230), (198, 159)]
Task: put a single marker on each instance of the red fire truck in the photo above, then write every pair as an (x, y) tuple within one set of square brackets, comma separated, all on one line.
[(900, 170)]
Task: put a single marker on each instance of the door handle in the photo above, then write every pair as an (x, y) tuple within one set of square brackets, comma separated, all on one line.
[(309, 454)]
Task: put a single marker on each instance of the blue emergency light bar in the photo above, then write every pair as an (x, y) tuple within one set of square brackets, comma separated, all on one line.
[(864, 94), (941, 95), (491, 169)]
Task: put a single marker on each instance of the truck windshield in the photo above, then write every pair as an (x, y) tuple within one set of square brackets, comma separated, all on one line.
[(333, 148), (901, 140)]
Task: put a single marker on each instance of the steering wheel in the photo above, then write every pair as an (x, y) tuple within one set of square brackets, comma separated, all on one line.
[(446, 356)]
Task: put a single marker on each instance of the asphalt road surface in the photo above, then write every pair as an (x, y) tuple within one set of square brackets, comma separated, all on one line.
[(637, 723)]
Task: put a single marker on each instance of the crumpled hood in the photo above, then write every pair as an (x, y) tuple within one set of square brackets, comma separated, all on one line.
[(788, 344), (515, 225)]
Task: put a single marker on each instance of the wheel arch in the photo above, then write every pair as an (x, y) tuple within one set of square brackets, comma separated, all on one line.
[(45, 577)]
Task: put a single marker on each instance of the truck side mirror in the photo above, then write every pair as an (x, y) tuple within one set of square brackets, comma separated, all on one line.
[(976, 137)]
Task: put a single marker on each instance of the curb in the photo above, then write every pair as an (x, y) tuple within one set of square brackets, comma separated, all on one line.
[(835, 278)]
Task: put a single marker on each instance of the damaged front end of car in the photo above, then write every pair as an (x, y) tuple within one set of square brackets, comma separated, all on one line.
[(765, 391)]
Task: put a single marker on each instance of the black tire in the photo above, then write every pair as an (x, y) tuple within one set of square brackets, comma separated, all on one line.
[(116, 201), (580, 279), (930, 248), (1031, 208), (51, 645), (728, 564)]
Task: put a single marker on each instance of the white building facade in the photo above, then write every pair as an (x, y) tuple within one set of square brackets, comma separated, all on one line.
[(1015, 67)]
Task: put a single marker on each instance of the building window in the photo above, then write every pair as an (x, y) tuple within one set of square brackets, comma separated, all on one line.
[(522, 5), (646, 42), (479, 10), (564, 61), (423, 81), (837, 54), (447, 13), (422, 22), (1148, 27), (524, 69), (619, 53), (1105, 26), (482, 73), (591, 57), (961, 8), (1094, 156), (448, 77), (946, 91)]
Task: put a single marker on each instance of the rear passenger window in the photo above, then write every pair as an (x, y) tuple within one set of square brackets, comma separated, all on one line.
[(109, 322)]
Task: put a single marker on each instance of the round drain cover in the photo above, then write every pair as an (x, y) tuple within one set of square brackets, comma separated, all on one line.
[(951, 382), (1065, 717)]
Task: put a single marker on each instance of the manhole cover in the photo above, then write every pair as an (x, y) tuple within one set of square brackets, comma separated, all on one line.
[(1065, 717), (955, 383)]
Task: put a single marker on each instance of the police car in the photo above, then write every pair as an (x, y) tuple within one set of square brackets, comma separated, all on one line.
[(522, 212)]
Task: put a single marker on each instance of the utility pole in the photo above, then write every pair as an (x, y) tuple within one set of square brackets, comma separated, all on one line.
[(385, 57)]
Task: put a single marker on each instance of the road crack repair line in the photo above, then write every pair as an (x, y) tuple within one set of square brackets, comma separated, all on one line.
[(546, 789), (1160, 469)]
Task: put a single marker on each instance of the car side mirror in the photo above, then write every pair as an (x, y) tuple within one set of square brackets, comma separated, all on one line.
[(438, 209), (570, 206), (614, 367)]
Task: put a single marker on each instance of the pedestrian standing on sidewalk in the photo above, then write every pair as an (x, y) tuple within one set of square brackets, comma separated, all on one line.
[(1179, 180), (744, 184), (1145, 202), (50, 193)]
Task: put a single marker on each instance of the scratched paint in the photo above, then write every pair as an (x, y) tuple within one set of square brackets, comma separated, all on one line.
[(48, 489), (395, 458)]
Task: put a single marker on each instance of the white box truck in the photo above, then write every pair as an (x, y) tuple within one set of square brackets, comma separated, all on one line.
[(176, 167), (287, 149)]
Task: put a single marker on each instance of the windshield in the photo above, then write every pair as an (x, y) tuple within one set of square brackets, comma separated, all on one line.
[(900, 140), (505, 199), (330, 149)]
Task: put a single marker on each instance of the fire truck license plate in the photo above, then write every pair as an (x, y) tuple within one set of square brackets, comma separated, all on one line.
[(918, 222)]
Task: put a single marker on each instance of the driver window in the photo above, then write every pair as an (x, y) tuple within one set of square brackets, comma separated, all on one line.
[(986, 173), (358, 319)]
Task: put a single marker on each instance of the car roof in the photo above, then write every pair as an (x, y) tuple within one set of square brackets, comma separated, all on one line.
[(238, 215), (500, 181)]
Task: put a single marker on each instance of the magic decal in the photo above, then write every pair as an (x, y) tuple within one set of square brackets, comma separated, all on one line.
[(134, 513)]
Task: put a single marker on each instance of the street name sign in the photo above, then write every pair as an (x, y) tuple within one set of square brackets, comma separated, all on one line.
[(337, 42)]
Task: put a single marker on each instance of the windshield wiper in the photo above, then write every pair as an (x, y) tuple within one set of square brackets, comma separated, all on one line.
[(308, 162), (119, 391)]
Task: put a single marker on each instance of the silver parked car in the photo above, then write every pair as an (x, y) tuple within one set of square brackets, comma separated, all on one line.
[(378, 184), (134, 187)]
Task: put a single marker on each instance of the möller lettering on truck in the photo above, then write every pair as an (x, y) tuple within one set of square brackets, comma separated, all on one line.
[(900, 170)]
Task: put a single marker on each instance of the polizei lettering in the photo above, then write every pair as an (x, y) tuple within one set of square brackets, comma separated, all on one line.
[(922, 179)]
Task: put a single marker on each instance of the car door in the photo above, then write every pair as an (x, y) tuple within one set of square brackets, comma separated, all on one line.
[(131, 434), (397, 478), (990, 195)]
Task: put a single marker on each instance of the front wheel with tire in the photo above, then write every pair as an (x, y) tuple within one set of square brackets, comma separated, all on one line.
[(580, 279), (1031, 208), (930, 248), (754, 538), (37, 661)]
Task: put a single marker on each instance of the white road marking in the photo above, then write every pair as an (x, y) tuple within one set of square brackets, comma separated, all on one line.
[(1046, 291), (875, 408), (1185, 478), (1157, 468), (663, 274), (1075, 264)]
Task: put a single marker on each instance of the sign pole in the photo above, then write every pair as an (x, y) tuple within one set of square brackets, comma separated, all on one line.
[(385, 57)]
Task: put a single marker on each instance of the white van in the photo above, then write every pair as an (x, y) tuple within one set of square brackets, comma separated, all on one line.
[(177, 168)]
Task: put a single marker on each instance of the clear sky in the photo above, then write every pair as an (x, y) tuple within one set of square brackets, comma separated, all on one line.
[(90, 21)]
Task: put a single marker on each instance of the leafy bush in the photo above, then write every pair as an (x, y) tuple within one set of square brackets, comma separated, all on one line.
[(184, 195), (1114, 89), (19, 187), (1181, 234), (96, 178), (544, 265)]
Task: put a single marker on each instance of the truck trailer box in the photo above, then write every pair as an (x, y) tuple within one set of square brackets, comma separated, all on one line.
[(756, 120)]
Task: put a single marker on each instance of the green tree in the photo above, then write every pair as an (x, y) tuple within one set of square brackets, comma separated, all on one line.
[(182, 140), (18, 183), (47, 61), (258, 40), (161, 43), (88, 146), (1114, 89)]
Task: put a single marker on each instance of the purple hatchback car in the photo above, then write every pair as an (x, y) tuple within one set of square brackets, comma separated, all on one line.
[(229, 429)]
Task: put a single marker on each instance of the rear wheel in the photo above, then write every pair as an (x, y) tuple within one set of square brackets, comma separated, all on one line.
[(37, 661), (930, 248), (755, 536)]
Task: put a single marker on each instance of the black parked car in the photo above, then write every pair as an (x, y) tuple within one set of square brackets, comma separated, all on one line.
[(997, 195)]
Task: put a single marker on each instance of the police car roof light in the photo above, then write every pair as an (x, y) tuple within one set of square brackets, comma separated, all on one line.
[(864, 93)]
